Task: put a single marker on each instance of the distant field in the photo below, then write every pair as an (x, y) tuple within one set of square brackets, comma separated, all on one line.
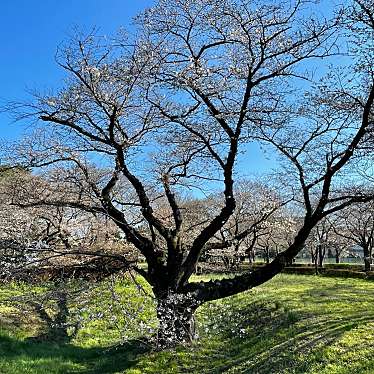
[(293, 324)]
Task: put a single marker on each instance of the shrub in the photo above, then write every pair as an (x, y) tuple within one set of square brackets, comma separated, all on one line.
[(344, 273), (356, 267), (305, 270), (298, 264), (370, 275)]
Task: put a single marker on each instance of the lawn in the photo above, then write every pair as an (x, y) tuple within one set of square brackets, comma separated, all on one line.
[(293, 324)]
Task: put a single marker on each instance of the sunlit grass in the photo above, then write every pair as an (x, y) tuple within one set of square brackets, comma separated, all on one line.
[(292, 324)]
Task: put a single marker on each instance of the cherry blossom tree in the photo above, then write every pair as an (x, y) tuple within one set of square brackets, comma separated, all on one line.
[(34, 237), (357, 227), (149, 118), (256, 203)]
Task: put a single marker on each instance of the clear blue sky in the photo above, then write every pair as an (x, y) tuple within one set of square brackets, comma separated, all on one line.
[(30, 32)]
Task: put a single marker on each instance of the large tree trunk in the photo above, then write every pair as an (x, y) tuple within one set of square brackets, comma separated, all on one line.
[(177, 325), (337, 257)]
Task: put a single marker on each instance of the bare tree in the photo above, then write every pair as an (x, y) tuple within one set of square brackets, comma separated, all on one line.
[(276, 233), (339, 245), (37, 237), (319, 242), (357, 226), (173, 109), (256, 204)]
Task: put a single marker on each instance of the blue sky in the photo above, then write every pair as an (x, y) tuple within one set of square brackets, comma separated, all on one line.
[(30, 32)]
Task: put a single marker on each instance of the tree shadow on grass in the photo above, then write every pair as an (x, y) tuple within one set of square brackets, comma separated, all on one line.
[(277, 338), (19, 356), (341, 291)]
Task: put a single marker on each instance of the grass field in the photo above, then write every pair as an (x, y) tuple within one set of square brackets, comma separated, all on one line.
[(293, 324)]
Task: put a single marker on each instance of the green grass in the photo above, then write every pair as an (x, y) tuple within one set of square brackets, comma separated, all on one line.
[(292, 324)]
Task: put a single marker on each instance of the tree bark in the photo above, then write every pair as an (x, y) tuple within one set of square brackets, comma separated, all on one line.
[(316, 261), (267, 254), (321, 255), (367, 257), (175, 314)]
